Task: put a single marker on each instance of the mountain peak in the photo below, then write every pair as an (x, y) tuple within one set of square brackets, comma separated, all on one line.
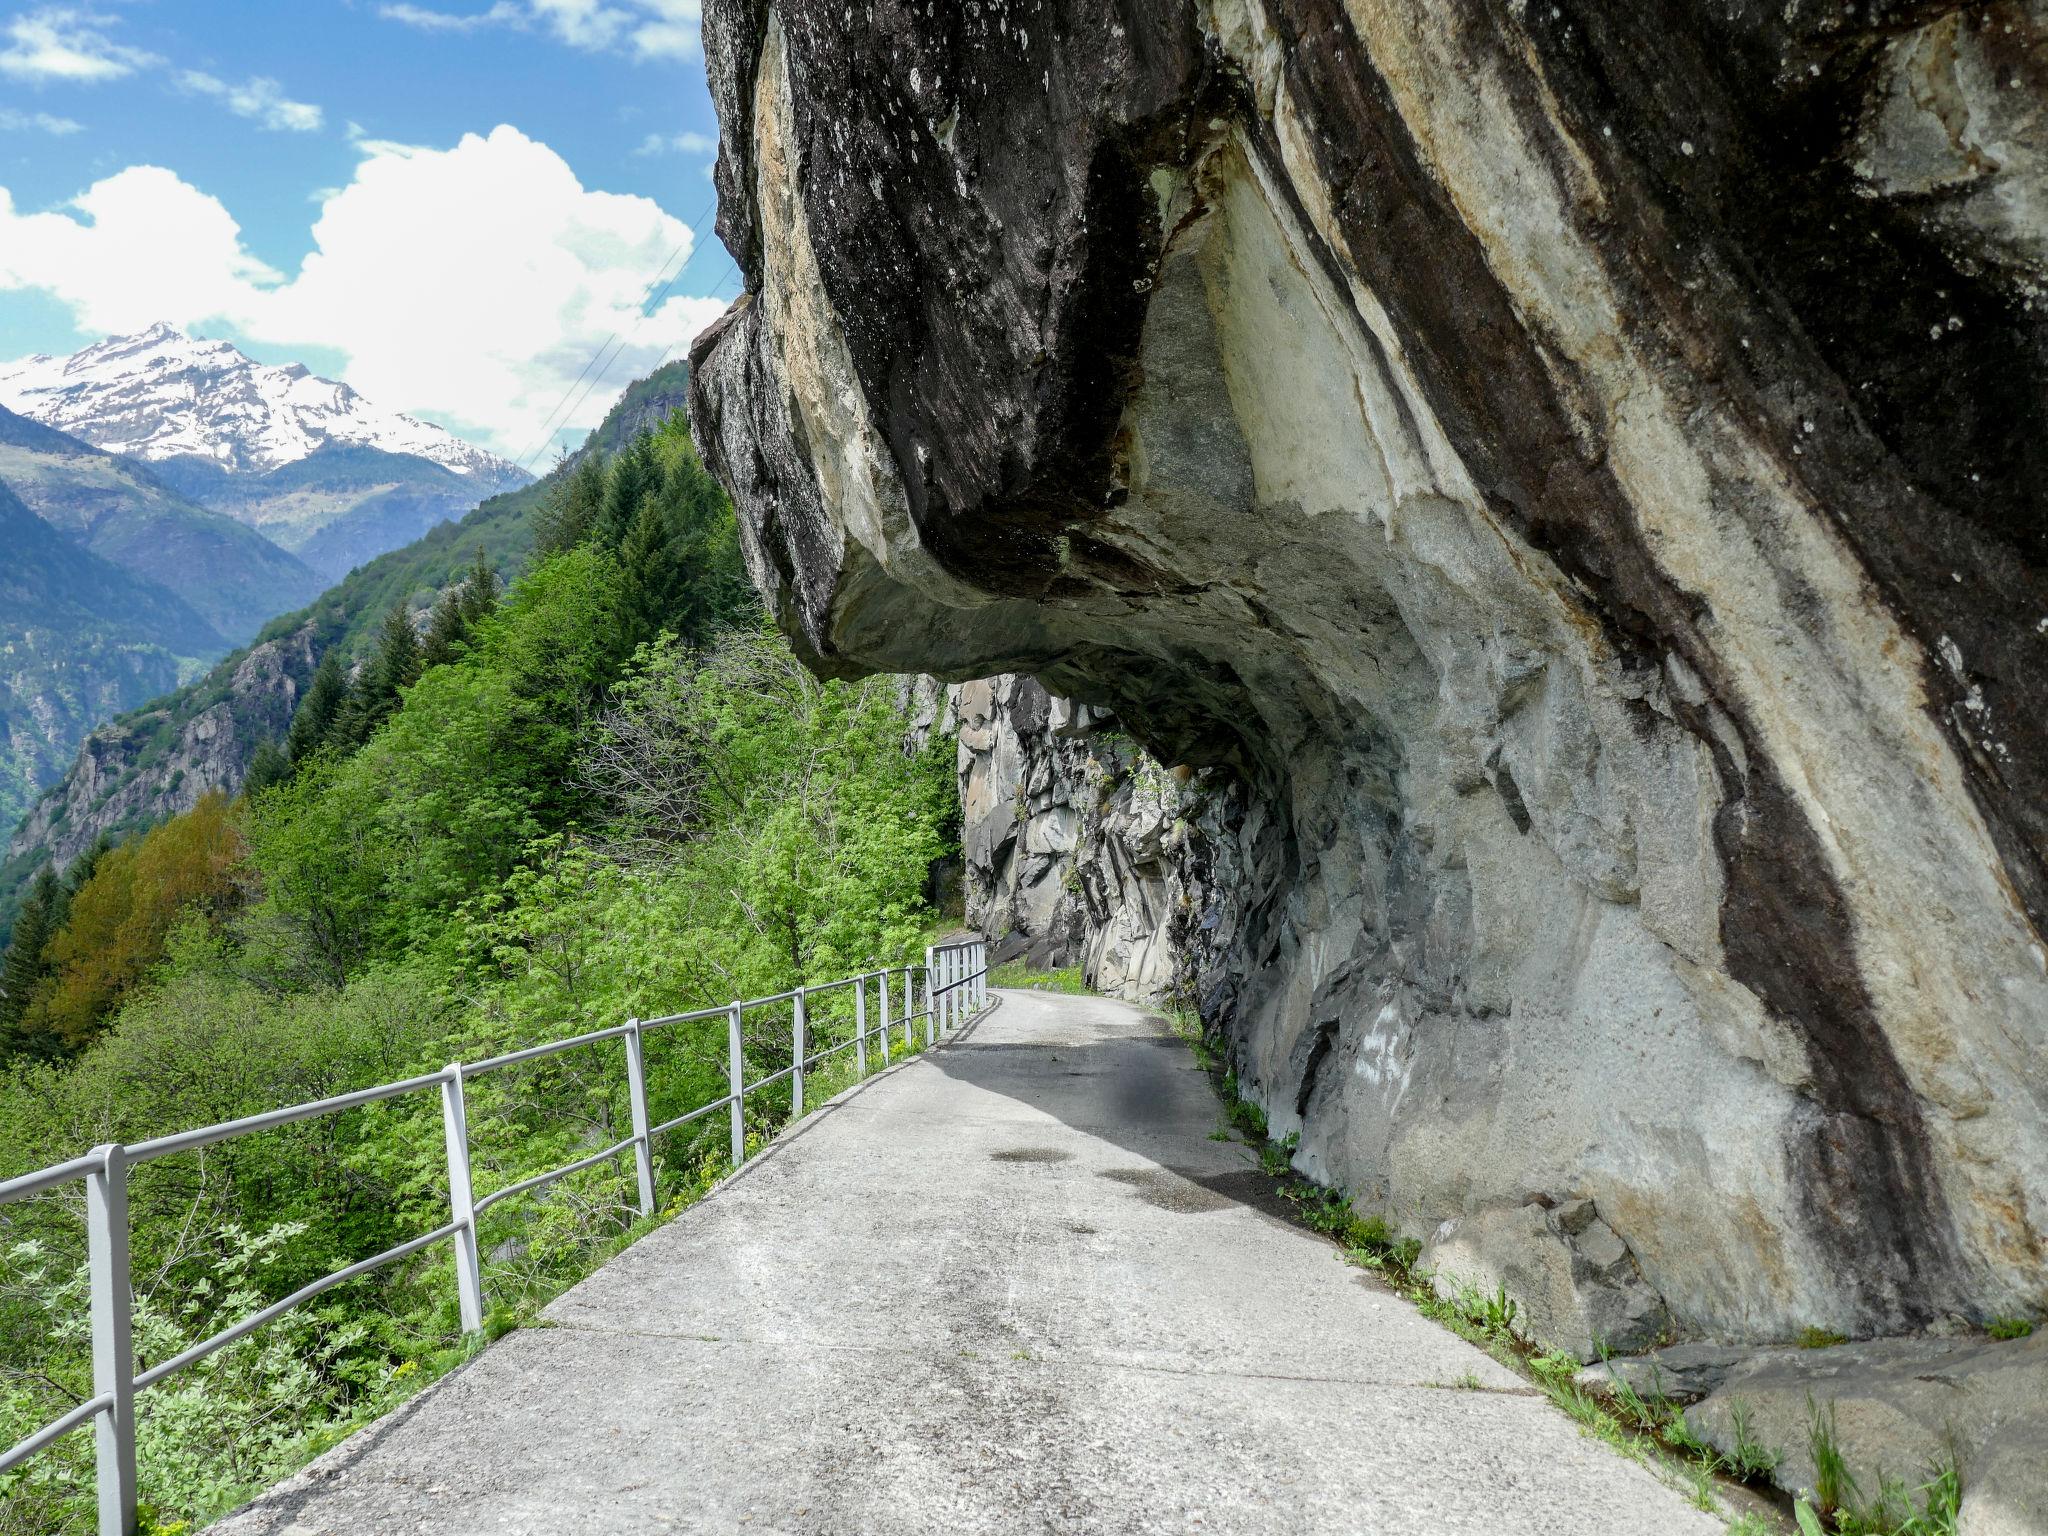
[(160, 394)]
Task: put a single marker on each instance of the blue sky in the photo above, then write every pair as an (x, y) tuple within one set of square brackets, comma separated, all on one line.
[(450, 204)]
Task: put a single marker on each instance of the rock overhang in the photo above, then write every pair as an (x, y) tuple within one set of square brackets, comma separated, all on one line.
[(1436, 417)]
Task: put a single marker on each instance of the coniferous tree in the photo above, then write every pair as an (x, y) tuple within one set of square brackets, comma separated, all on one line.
[(269, 764), (632, 476), (27, 962), (325, 701), (461, 608), (394, 668), (572, 511)]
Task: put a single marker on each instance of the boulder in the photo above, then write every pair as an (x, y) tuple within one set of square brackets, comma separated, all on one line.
[(1574, 1283), (1899, 1407)]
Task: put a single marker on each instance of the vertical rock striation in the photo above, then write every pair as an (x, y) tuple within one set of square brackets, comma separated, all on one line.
[(1564, 483)]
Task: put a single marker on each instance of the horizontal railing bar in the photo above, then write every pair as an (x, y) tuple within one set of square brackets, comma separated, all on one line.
[(548, 1178), (510, 1058), (691, 1017), (939, 949), (185, 1141), (48, 1178), (696, 1114), (277, 1309), (772, 1077), (57, 1429)]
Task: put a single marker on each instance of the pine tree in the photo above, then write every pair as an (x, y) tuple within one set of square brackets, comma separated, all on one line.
[(269, 764), (460, 610), (573, 509), (480, 591), (394, 668), (632, 476), (326, 700), (651, 574), (26, 962)]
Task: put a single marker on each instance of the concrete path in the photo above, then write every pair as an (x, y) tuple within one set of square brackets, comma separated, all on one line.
[(1011, 1285)]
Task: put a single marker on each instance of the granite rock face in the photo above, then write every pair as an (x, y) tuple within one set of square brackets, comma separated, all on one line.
[(1563, 485)]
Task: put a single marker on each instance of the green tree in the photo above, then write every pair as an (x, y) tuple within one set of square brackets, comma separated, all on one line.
[(391, 669), (269, 764), (632, 476), (321, 708), (27, 964), (572, 511), (461, 608)]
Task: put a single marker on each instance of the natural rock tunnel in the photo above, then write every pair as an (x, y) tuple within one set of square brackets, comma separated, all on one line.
[(1569, 479)]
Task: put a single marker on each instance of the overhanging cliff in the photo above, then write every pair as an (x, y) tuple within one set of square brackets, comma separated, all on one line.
[(1569, 479)]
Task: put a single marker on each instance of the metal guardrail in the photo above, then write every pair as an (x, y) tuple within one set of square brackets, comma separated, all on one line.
[(955, 988)]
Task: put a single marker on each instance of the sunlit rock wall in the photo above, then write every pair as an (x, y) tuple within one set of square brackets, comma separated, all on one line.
[(1565, 483)]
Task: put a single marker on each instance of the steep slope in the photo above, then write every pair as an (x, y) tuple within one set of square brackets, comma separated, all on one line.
[(159, 760), (232, 576), (1566, 484), (275, 448), (80, 640)]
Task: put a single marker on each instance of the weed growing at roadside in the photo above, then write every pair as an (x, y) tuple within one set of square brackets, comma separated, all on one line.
[(1833, 1485), (1819, 1338), (1753, 1460), (2008, 1328)]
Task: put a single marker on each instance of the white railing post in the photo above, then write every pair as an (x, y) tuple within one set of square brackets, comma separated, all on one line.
[(735, 1082), (882, 1001), (860, 1025), (931, 998), (796, 1060), (113, 1338), (981, 964), (909, 990), (636, 1094), (469, 1282)]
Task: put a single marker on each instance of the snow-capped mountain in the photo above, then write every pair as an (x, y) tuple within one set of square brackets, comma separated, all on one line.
[(162, 395)]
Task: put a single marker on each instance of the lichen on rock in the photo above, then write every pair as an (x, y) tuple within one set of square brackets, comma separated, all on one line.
[(1564, 483)]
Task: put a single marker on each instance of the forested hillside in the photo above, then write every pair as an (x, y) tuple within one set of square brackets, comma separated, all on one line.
[(160, 758), (606, 789), (79, 639)]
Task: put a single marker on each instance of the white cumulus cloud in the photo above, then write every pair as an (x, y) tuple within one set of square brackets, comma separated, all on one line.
[(66, 43), (259, 98), (467, 285)]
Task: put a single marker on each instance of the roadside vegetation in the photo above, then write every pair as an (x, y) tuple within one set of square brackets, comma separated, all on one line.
[(1647, 1427), (1018, 973), (609, 790)]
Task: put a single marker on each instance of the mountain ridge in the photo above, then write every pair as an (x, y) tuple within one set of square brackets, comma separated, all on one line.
[(160, 394)]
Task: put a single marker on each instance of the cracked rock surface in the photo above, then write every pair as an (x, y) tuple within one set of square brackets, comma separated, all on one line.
[(1565, 484)]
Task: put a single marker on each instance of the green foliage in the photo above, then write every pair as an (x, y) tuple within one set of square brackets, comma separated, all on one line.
[(589, 801), (1019, 973), (2009, 1328), (27, 963), (1819, 1338)]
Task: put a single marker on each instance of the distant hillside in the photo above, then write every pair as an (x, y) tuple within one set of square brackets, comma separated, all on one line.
[(232, 576), (80, 639), (159, 759)]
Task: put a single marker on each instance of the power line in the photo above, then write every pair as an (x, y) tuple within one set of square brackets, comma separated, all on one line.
[(696, 248), (548, 427), (598, 382)]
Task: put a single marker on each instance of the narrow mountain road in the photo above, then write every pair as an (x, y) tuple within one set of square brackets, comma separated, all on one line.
[(1010, 1285)]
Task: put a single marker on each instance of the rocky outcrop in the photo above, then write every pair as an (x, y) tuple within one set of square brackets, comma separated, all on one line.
[(159, 761), (1564, 482)]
